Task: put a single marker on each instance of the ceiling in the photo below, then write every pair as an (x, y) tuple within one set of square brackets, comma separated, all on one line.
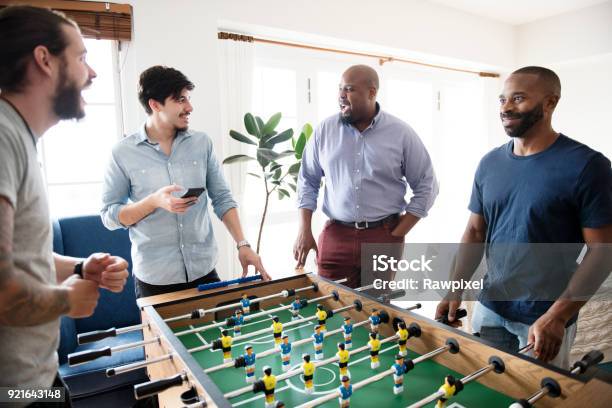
[(517, 12)]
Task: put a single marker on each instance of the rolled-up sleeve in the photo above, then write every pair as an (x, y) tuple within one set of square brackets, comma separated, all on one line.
[(309, 178), (218, 190), (420, 175), (115, 193)]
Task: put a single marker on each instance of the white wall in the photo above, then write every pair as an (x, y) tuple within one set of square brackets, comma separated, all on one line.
[(565, 37), (578, 47), (182, 34)]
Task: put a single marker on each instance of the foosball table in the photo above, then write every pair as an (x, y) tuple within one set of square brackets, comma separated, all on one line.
[(305, 341)]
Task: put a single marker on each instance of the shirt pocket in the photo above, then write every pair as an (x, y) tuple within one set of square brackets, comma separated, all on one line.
[(147, 180), (193, 173)]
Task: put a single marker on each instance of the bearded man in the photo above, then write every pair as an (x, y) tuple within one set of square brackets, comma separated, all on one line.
[(369, 159), (537, 191)]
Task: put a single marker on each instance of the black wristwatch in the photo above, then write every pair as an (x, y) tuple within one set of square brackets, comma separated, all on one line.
[(78, 269)]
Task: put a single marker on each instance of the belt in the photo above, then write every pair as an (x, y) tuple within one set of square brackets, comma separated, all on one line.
[(361, 225)]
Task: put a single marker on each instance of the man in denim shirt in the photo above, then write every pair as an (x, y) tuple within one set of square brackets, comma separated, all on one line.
[(173, 246)]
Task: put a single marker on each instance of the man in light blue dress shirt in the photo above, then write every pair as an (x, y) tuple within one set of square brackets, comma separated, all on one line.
[(173, 246), (368, 158)]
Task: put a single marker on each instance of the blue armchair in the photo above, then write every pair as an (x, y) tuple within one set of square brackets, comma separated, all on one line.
[(89, 386)]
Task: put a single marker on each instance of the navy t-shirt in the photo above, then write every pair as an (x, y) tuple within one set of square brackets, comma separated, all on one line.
[(543, 198)]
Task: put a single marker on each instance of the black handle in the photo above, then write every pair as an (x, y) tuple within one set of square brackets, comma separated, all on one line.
[(592, 358), (88, 355), (151, 388), (459, 314), (84, 338)]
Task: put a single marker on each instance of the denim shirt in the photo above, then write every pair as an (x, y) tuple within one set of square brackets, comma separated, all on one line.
[(167, 248)]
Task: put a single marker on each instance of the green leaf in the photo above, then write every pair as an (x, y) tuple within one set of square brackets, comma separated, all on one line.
[(263, 142), (299, 146), (281, 137), (241, 138), (275, 166), (282, 192), (251, 125), (260, 126), (307, 130), (263, 161), (277, 174), (286, 153), (276, 182), (293, 186), (272, 124), (254, 175), (237, 158), (294, 169), (267, 154)]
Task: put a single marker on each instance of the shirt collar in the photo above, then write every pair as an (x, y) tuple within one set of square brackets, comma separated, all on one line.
[(143, 137), (376, 119), (378, 115)]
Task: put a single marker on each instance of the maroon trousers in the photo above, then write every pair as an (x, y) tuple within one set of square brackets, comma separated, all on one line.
[(340, 250)]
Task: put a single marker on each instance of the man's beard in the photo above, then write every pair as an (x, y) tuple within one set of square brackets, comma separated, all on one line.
[(528, 119), (347, 120), (67, 99)]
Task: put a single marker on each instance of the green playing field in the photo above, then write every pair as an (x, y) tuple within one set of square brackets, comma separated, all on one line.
[(423, 380)]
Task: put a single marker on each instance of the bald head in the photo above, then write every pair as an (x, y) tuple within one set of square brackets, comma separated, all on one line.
[(363, 74), (547, 80)]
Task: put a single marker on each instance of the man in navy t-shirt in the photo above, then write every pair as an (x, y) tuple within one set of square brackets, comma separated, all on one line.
[(540, 188)]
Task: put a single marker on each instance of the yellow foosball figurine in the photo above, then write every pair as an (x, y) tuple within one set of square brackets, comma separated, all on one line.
[(374, 345), (277, 330), (321, 317), (343, 359), (309, 369), (402, 333), (449, 390), (267, 384), (226, 346)]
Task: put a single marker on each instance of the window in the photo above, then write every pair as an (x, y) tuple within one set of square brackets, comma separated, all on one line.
[(446, 110), (74, 154)]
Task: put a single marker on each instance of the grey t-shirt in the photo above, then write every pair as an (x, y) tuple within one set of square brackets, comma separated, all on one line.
[(28, 357)]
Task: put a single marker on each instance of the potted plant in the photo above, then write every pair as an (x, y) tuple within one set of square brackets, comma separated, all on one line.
[(275, 176)]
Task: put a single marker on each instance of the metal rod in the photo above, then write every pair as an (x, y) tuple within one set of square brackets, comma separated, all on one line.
[(317, 364), (477, 374), (135, 366), (538, 395), (246, 318), (283, 293), (381, 58), (372, 379), (267, 330), (135, 344), (438, 394), (127, 329), (276, 350)]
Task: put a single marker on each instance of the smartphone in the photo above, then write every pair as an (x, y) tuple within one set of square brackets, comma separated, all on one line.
[(194, 192)]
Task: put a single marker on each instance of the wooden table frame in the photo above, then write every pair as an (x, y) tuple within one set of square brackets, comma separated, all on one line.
[(521, 379)]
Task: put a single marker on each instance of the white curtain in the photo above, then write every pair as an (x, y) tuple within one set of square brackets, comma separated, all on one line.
[(236, 67)]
